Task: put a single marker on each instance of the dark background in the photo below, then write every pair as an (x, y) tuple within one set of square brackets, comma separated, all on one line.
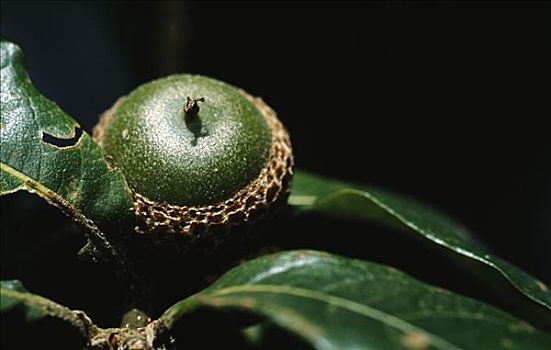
[(446, 102)]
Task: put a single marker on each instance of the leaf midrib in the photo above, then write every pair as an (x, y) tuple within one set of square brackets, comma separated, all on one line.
[(94, 234), (364, 310), (373, 198)]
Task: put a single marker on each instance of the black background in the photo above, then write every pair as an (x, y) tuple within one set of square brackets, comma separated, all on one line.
[(446, 102)]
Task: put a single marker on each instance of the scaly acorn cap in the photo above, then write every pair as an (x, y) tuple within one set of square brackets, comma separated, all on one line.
[(199, 155)]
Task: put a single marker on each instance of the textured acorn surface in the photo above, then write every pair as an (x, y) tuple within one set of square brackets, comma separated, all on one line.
[(225, 166)]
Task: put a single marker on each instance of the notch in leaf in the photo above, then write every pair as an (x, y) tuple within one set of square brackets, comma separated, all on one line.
[(61, 142)]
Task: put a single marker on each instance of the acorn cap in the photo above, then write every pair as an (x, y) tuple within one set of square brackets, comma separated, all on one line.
[(199, 155)]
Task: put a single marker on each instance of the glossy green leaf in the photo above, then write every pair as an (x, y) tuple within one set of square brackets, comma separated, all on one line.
[(314, 194), (339, 303), (41, 152), (14, 296)]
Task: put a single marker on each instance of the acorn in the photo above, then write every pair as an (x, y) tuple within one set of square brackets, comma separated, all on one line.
[(201, 157)]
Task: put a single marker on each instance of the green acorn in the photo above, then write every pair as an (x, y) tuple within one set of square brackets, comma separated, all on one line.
[(199, 155)]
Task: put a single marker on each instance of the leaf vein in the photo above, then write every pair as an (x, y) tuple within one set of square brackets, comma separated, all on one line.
[(349, 305)]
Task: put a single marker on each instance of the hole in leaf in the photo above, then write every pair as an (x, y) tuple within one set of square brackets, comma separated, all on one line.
[(62, 142)]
